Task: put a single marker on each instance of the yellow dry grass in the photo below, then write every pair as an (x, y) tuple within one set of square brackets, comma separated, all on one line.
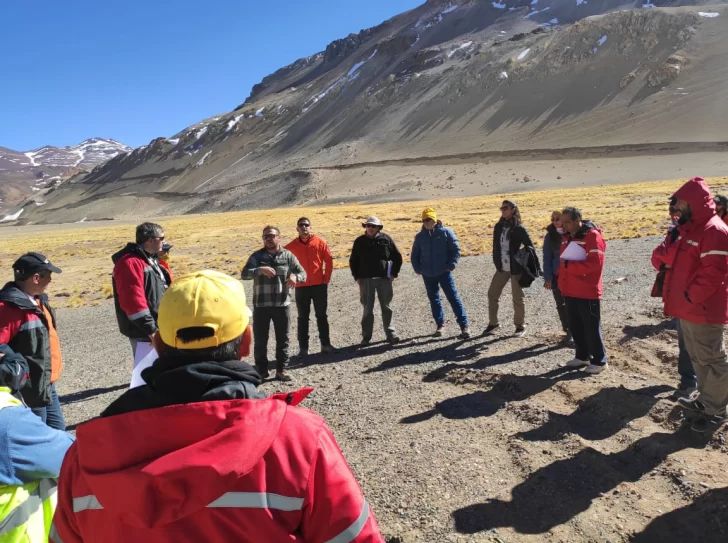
[(224, 241)]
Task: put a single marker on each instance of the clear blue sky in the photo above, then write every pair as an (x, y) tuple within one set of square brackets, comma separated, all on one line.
[(134, 70)]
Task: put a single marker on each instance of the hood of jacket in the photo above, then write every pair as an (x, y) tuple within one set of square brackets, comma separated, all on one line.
[(152, 467), (585, 227), (132, 248), (11, 293), (698, 195)]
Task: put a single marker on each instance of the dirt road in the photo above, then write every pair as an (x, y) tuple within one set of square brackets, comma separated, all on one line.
[(489, 439)]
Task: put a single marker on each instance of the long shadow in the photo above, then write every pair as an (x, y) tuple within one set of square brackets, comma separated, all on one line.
[(558, 492), (703, 520), (599, 416), (489, 361), (82, 395), (452, 352), (505, 388), (644, 331), (357, 351)]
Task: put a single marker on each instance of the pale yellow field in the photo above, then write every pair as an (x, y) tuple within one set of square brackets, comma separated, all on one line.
[(224, 241)]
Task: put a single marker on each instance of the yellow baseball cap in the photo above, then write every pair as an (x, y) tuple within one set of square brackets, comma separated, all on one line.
[(206, 299)]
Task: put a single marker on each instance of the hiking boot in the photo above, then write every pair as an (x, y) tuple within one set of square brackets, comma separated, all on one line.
[(490, 330), (438, 332), (708, 423), (567, 340), (576, 363), (689, 404), (687, 393), (594, 369), (520, 331), (393, 339), (283, 377), (464, 333)]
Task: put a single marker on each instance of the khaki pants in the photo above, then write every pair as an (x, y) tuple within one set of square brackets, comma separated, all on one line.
[(706, 348), (500, 280)]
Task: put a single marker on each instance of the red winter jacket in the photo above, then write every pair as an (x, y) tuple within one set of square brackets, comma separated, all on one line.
[(583, 279), (249, 471), (696, 289), (315, 257)]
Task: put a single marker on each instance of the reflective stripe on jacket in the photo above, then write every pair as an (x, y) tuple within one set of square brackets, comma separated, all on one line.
[(26, 511)]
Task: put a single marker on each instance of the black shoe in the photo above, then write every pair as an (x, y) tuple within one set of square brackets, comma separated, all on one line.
[(264, 374), (695, 406), (491, 329), (283, 377), (687, 393), (302, 353), (393, 339), (464, 333), (708, 423), (438, 332), (568, 340), (365, 341), (520, 331), (328, 349)]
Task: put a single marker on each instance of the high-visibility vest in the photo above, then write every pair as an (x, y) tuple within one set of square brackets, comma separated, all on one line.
[(26, 511)]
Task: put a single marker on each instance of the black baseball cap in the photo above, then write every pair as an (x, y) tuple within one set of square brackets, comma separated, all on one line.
[(166, 246), (721, 200), (34, 263)]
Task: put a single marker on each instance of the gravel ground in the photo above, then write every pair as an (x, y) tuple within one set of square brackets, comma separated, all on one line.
[(488, 439)]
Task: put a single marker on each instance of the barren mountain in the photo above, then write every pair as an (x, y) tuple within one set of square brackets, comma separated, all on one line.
[(547, 92), (24, 173)]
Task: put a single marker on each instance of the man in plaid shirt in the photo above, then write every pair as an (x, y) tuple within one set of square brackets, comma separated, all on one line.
[(274, 271)]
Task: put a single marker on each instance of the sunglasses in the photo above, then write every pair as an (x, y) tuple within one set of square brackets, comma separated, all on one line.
[(304, 225), (270, 236), (370, 226)]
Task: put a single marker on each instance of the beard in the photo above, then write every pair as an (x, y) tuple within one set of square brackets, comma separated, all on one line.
[(685, 216)]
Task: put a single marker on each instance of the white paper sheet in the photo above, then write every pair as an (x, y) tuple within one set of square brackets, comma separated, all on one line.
[(144, 357), (573, 251)]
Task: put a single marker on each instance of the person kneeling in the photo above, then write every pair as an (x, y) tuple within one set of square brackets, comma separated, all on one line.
[(199, 453)]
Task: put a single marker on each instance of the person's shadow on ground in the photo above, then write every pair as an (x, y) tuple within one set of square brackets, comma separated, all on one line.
[(705, 520), (558, 492), (599, 416), (505, 388)]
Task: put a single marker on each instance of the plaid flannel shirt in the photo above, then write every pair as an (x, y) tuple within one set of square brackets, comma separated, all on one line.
[(272, 291)]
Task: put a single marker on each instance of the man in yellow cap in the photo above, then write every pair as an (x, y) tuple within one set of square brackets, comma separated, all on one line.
[(435, 254), (199, 454)]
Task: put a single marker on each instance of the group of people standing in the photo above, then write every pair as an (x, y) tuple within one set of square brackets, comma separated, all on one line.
[(188, 449)]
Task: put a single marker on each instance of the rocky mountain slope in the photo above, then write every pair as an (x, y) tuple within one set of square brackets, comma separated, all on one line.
[(24, 173), (484, 85)]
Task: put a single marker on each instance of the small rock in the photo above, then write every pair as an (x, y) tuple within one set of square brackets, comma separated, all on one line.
[(558, 177), (704, 485), (527, 179)]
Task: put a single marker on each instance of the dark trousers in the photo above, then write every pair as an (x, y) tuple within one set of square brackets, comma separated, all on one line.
[(560, 304), (688, 379), (52, 414), (432, 285), (262, 317), (319, 295), (370, 289), (585, 319)]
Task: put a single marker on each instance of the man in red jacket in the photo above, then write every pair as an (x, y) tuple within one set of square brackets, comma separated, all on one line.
[(663, 258), (139, 283), (199, 454), (696, 291), (581, 267), (314, 255)]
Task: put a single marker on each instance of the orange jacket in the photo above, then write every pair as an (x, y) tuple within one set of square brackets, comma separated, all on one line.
[(165, 265), (315, 257)]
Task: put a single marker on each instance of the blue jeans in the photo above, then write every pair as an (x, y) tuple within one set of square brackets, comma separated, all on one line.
[(433, 284), (52, 414), (585, 321), (688, 379)]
